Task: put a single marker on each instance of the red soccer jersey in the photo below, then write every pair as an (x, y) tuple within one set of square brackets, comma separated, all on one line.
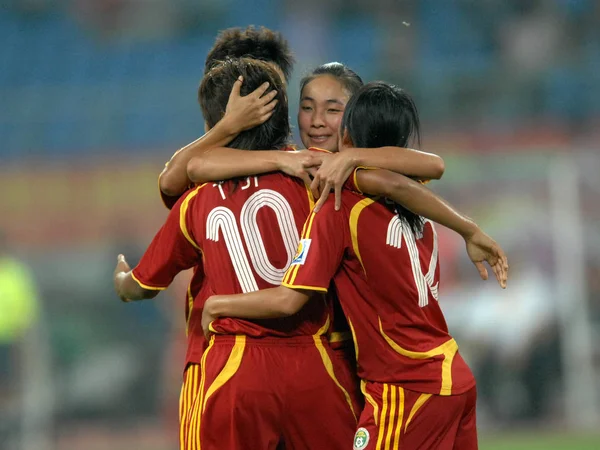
[(246, 235), (387, 280), (198, 292)]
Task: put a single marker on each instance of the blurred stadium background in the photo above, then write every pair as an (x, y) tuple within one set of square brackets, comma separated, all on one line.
[(97, 94)]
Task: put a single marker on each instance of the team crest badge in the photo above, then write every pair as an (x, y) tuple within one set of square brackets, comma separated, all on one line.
[(303, 247), (361, 439)]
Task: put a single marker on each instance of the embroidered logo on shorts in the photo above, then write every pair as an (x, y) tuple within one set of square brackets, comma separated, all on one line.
[(303, 247), (361, 439)]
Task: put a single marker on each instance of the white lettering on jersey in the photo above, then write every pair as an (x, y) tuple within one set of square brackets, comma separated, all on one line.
[(397, 229), (220, 187), (222, 218), (254, 242)]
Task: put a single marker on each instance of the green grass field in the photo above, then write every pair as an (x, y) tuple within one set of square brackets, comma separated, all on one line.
[(542, 441)]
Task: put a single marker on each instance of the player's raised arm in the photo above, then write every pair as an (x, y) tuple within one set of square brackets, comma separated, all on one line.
[(336, 169), (414, 163), (224, 163), (420, 200), (265, 304), (415, 197), (242, 113), (407, 161)]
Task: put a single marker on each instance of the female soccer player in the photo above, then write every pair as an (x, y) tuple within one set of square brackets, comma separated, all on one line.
[(383, 261), (261, 382)]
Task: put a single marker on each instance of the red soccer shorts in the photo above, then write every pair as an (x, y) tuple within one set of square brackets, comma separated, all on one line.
[(395, 418), (260, 393)]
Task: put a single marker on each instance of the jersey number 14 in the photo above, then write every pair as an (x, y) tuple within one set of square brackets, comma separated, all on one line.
[(397, 230)]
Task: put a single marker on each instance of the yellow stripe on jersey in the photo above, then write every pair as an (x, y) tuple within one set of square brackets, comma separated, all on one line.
[(355, 178), (182, 407), (194, 392), (318, 149), (398, 429), (290, 275), (329, 368), (308, 288), (420, 402), (292, 268), (354, 214), (190, 307), (311, 199), (392, 415), (324, 328), (370, 399), (189, 392), (353, 338), (191, 396), (400, 418), (382, 417), (193, 440), (145, 286), (229, 370), (185, 405), (388, 437), (340, 336), (448, 349), (182, 213), (308, 226)]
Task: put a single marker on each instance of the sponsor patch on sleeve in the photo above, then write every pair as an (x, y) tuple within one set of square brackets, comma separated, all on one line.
[(303, 248)]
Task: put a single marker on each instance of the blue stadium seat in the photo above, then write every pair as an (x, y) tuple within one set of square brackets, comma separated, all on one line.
[(356, 41)]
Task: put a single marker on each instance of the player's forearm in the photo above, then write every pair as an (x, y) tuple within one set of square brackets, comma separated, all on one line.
[(265, 304), (174, 179), (223, 163), (422, 201), (128, 289), (406, 161)]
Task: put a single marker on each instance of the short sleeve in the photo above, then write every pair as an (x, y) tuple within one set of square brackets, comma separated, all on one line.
[(171, 251), (320, 250), (352, 182)]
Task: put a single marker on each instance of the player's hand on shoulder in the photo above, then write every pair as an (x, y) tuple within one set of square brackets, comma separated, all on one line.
[(482, 248), (333, 173), (245, 112)]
